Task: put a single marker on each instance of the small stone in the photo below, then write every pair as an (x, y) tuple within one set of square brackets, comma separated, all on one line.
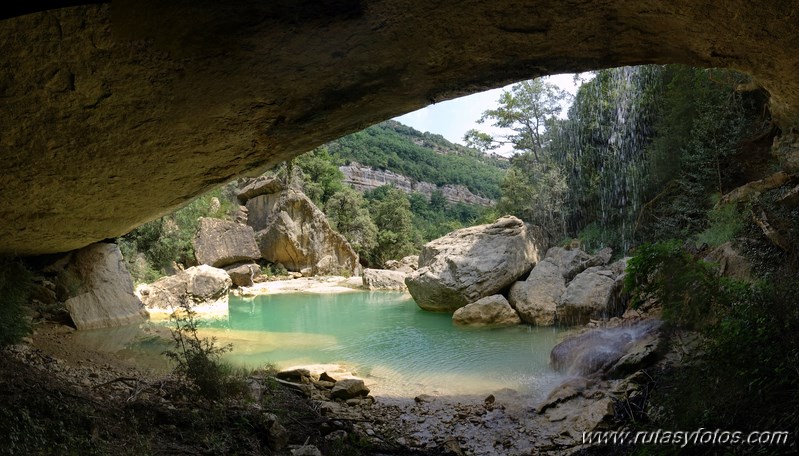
[(325, 377), (306, 450), (349, 388), (336, 436), (424, 398)]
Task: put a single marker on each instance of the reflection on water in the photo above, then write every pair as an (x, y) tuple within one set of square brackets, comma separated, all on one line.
[(385, 337), (382, 336)]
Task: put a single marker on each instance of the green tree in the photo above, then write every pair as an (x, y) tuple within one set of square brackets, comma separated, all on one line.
[(396, 237), (321, 177), (348, 213)]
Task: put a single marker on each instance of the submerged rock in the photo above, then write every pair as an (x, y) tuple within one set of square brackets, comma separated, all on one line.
[(608, 351), (100, 289), (489, 311), (472, 263)]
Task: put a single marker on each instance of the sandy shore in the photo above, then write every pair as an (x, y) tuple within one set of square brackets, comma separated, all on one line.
[(329, 284)]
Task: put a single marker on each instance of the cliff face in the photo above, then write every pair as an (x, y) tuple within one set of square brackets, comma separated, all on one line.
[(364, 178), (110, 120)]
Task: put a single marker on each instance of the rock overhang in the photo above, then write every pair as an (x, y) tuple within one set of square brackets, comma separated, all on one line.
[(112, 115)]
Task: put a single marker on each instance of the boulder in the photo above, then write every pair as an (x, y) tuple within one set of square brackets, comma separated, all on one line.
[(591, 295), (407, 265), (100, 289), (297, 235), (243, 274), (263, 185), (197, 285), (349, 388), (616, 351), (536, 298), (472, 263), (383, 279), (489, 311), (731, 262), (220, 243)]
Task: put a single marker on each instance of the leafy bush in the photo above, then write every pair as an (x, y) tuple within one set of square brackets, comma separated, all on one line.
[(15, 285), (198, 360), (688, 289), (725, 222)]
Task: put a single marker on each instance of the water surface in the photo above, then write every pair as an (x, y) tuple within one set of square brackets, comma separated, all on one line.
[(386, 338)]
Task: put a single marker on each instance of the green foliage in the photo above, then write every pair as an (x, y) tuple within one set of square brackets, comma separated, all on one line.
[(15, 286), (391, 211), (150, 249), (747, 378), (198, 360), (348, 213), (688, 289), (725, 222), (321, 178), (422, 157)]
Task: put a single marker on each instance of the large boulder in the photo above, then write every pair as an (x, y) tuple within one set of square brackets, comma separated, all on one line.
[(243, 274), (489, 311), (537, 297), (615, 351), (383, 279), (472, 263), (100, 289), (220, 243), (197, 286), (591, 295), (298, 236)]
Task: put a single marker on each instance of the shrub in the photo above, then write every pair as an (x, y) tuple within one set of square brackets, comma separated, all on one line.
[(198, 359), (725, 222), (15, 285), (688, 289)]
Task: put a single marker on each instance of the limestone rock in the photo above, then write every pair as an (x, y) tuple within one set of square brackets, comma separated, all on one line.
[(472, 263), (407, 264), (364, 178), (349, 388), (277, 435), (731, 262), (101, 289), (263, 185), (589, 296), (298, 236), (489, 311), (243, 274), (620, 350), (536, 298), (220, 243), (383, 279), (195, 285), (158, 102)]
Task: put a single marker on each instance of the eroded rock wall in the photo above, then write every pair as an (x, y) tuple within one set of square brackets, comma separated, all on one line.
[(110, 117)]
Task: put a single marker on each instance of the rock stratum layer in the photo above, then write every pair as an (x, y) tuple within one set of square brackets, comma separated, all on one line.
[(112, 119)]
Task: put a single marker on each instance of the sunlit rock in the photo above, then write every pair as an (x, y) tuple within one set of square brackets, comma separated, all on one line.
[(383, 279), (100, 289), (472, 263), (203, 287), (591, 295), (220, 243), (489, 311)]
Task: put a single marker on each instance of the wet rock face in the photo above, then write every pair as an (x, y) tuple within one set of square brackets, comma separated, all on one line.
[(614, 351), (111, 119)]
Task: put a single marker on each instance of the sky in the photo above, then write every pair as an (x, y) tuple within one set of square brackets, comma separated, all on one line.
[(452, 119)]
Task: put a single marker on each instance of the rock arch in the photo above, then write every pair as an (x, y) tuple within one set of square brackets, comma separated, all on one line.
[(111, 115)]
